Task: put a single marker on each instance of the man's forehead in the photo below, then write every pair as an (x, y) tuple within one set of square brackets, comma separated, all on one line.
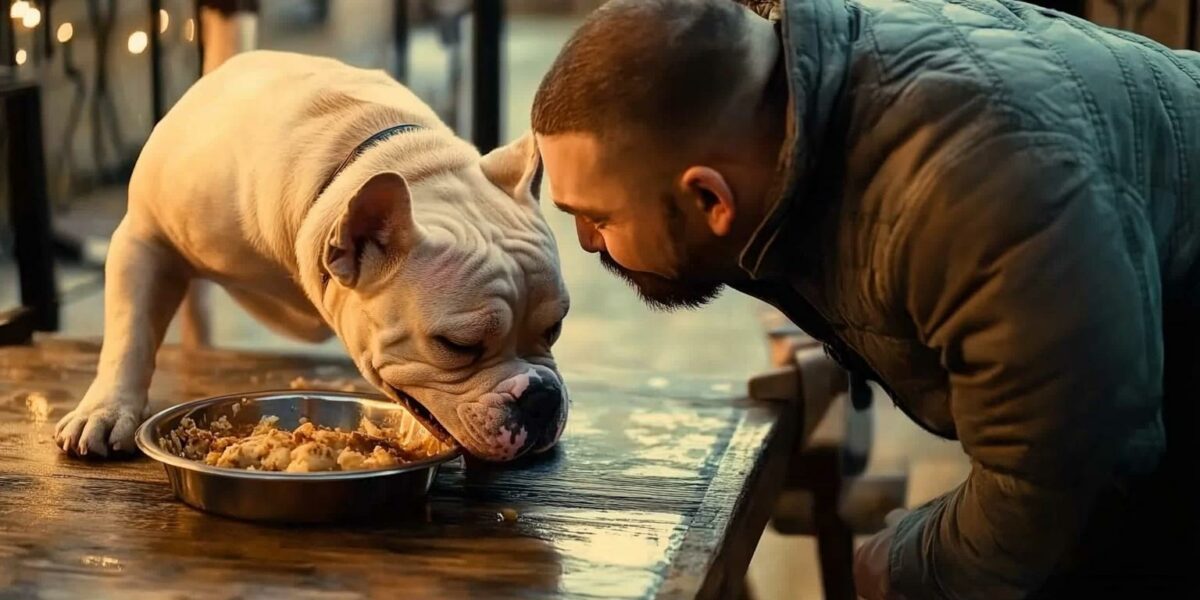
[(591, 176), (574, 150), (571, 160)]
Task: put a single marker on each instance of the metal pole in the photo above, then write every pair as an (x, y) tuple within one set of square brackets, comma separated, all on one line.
[(400, 39), (156, 77), (47, 28), (1194, 25), (486, 47), (8, 44), (199, 37), (29, 206)]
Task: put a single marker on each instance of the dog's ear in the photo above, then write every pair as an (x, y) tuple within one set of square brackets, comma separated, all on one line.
[(516, 169), (377, 219)]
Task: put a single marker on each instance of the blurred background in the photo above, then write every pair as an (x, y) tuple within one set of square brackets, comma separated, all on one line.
[(93, 63)]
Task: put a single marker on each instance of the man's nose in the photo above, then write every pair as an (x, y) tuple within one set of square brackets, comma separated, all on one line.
[(589, 237)]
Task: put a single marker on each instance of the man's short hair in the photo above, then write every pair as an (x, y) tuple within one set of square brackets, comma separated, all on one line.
[(659, 68)]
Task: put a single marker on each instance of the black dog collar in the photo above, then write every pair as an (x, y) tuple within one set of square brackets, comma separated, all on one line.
[(363, 147), (358, 151)]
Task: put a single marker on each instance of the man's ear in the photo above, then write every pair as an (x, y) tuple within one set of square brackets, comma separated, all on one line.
[(712, 195), (377, 219), (516, 169)]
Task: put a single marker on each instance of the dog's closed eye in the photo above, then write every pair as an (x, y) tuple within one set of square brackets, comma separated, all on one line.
[(457, 348)]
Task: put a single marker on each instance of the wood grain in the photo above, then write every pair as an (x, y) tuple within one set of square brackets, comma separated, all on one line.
[(658, 489)]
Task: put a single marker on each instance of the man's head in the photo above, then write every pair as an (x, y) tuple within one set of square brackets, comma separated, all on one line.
[(660, 124)]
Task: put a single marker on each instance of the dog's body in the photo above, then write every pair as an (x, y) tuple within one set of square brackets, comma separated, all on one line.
[(432, 264)]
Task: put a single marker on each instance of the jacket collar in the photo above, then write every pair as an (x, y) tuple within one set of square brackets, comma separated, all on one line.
[(816, 37)]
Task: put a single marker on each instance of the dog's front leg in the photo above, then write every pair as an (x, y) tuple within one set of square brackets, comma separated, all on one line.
[(144, 283)]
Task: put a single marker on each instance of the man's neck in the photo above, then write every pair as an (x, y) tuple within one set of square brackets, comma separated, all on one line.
[(769, 125), (760, 126)]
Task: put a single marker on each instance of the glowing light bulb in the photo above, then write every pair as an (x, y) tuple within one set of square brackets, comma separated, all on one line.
[(66, 31), (163, 20), (190, 30), (21, 56), (18, 9), (31, 18), (138, 41)]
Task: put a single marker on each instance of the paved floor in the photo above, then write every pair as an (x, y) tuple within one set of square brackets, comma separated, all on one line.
[(607, 326)]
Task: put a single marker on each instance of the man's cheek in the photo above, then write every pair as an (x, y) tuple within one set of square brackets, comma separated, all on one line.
[(624, 258), (633, 254)]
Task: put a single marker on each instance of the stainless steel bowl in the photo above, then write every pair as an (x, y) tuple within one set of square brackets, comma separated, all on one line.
[(292, 497)]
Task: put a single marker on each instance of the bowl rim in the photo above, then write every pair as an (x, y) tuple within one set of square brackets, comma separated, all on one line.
[(149, 446)]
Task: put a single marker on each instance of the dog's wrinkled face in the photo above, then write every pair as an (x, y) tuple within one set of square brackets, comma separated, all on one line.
[(449, 297)]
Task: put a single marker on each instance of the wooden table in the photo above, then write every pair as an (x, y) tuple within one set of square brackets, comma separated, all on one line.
[(660, 488)]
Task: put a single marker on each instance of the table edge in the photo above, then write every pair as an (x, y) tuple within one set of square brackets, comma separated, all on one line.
[(728, 555)]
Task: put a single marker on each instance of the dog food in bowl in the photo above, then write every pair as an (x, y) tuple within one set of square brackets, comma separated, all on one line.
[(308, 448)]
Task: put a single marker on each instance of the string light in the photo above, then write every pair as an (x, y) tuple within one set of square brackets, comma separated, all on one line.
[(190, 30), (66, 31), (31, 18), (18, 9), (163, 20), (138, 41), (21, 56)]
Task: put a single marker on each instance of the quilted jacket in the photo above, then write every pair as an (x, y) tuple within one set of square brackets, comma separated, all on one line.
[(992, 210)]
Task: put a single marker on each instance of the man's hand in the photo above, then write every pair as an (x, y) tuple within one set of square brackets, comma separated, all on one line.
[(871, 566), (871, 571)]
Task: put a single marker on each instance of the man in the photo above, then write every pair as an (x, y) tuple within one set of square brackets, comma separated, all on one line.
[(987, 207)]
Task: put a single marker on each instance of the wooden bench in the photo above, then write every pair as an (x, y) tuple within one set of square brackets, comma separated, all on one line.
[(826, 493)]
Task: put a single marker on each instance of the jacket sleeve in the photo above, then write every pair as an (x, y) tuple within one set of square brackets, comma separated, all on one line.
[(1035, 279)]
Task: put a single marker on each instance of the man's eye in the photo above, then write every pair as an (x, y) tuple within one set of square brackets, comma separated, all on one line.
[(459, 348), (553, 332)]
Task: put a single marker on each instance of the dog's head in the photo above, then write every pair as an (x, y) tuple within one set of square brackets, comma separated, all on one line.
[(448, 295)]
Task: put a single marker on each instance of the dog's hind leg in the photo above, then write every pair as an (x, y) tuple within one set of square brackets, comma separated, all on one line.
[(286, 313), (144, 283), (195, 326)]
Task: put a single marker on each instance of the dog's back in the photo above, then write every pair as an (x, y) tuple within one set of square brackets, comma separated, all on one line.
[(238, 160), (229, 174)]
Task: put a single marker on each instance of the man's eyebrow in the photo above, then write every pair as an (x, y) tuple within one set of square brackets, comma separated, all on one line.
[(580, 212)]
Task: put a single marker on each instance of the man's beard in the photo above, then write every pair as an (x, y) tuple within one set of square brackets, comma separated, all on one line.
[(662, 293)]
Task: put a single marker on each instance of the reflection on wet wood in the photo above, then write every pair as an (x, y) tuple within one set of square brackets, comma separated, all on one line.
[(660, 488)]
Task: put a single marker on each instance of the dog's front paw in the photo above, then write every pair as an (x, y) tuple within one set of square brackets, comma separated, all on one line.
[(100, 428)]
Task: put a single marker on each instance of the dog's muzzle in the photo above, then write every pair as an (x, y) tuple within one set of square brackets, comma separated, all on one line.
[(525, 413)]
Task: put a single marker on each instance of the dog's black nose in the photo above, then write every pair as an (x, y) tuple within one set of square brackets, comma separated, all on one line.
[(540, 403)]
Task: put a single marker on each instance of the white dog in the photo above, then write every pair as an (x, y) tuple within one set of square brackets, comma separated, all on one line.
[(328, 199)]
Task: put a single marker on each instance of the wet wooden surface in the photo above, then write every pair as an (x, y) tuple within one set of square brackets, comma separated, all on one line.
[(660, 488)]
